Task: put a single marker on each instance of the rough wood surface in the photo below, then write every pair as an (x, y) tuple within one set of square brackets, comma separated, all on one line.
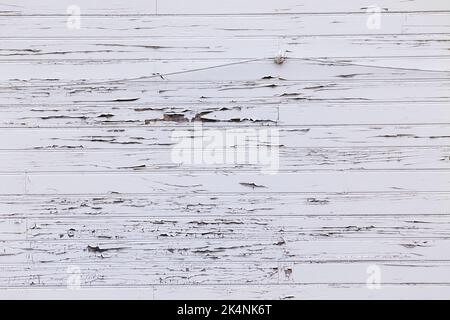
[(89, 120)]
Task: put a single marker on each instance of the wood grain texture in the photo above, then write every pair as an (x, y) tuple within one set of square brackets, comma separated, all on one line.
[(94, 124)]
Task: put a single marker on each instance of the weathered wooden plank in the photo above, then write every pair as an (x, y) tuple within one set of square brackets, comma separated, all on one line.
[(115, 7), (322, 249), (120, 92), (222, 26), (290, 159), (241, 48), (252, 292), (394, 204), (301, 113), (212, 273), (347, 181), (266, 72), (234, 227), (190, 138), (68, 73)]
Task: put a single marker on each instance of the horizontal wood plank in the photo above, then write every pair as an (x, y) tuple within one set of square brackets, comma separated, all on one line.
[(120, 92), (290, 159), (208, 292), (99, 27), (270, 273), (289, 114), (22, 7), (398, 249), (142, 183), (189, 138), (234, 227), (226, 228), (238, 48), (393, 204)]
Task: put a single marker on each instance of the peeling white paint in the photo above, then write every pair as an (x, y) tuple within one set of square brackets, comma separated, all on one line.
[(93, 205)]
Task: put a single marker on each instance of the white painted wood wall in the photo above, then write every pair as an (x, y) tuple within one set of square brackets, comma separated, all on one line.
[(88, 186)]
